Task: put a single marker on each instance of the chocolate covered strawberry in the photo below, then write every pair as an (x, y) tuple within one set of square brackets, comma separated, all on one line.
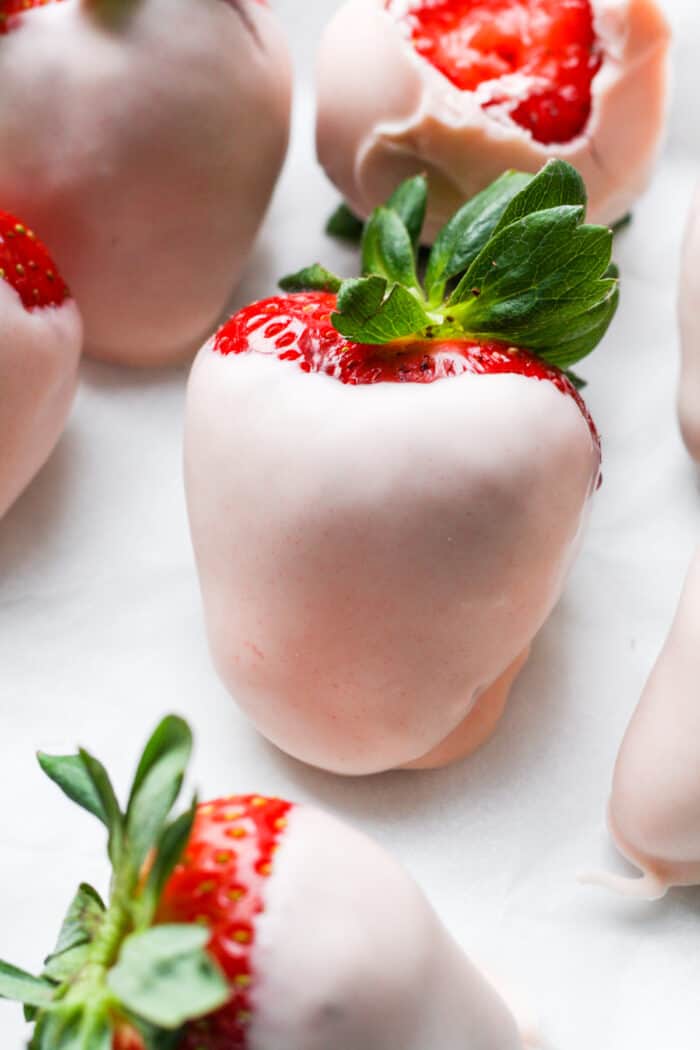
[(462, 89), (144, 140), (247, 923), (388, 479), (40, 343)]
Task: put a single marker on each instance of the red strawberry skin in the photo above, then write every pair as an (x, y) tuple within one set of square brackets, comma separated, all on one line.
[(553, 41), (298, 328), (26, 266), (221, 882), (8, 8)]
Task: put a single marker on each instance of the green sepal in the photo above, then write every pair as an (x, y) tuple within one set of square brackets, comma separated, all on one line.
[(555, 185), (410, 202), (461, 240), (311, 279), (157, 784), (170, 848), (64, 966), (540, 284), (68, 772), (82, 919), (21, 987), (368, 312), (165, 976), (73, 1026), (345, 225), (110, 805), (387, 250)]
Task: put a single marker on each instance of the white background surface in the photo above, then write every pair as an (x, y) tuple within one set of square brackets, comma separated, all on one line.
[(101, 633)]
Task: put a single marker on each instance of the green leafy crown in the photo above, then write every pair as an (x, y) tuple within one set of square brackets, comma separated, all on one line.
[(517, 264), (111, 968)]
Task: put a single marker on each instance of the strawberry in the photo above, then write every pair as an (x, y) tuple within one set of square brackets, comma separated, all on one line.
[(10, 8), (221, 122), (461, 89), (552, 44), (300, 328), (40, 344), (27, 266), (388, 475), (248, 922)]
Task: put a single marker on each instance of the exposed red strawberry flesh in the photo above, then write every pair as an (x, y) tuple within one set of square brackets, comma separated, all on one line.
[(551, 42), (26, 266), (8, 8), (221, 882), (298, 328)]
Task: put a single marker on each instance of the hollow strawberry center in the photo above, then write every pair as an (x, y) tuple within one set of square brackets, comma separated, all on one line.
[(26, 266), (298, 329), (548, 49)]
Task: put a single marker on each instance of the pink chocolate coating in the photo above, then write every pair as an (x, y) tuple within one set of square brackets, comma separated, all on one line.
[(376, 560), (689, 389), (39, 356), (145, 146), (386, 113), (350, 954), (655, 804)]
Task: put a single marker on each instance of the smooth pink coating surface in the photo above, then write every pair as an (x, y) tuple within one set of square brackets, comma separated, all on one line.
[(39, 356), (350, 954), (689, 388), (385, 113), (655, 804), (145, 147), (373, 558)]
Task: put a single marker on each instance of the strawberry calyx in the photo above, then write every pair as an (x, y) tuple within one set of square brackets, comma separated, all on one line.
[(516, 265), (119, 978)]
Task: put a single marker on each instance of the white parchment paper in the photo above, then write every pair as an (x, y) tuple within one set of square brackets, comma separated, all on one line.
[(101, 633)]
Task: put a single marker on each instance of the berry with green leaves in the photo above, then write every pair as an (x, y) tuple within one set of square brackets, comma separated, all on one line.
[(388, 475), (246, 923)]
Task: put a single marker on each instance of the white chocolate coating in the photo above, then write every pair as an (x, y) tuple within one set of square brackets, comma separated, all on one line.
[(654, 810), (689, 389), (39, 356), (350, 954), (146, 153), (373, 558), (385, 113)]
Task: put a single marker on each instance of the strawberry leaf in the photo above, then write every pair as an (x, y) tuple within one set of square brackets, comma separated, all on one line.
[(156, 786), (82, 920), (165, 976), (410, 202), (68, 772), (66, 965), (21, 987), (387, 250), (73, 1027), (109, 803), (555, 185), (311, 279), (540, 284), (345, 225), (461, 240), (367, 314), (170, 848)]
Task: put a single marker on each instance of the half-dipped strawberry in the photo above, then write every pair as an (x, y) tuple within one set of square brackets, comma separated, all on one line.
[(387, 479), (40, 343), (144, 141), (462, 89), (257, 924)]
